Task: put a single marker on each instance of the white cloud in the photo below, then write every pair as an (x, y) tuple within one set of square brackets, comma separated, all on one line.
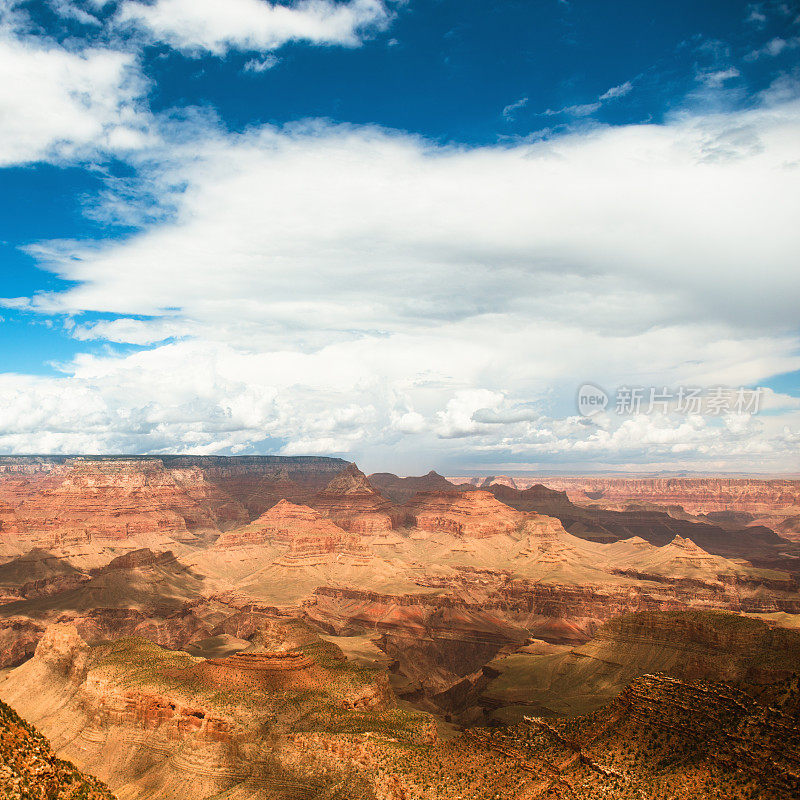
[(261, 64), (587, 109), (218, 26), (756, 15), (509, 112), (57, 104), (718, 77), (774, 47), (617, 91), (69, 10), (347, 289), (582, 110)]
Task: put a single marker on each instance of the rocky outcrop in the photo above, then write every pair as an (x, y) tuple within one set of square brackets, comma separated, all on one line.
[(113, 500), (661, 737), (18, 640), (469, 514), (400, 490), (282, 524), (172, 630), (308, 534), (355, 505), (136, 559), (44, 587), (277, 670)]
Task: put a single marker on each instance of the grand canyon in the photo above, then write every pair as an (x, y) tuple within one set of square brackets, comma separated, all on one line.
[(399, 400), (289, 627)]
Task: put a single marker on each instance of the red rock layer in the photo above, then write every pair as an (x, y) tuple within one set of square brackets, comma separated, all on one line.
[(112, 500), (695, 495), (261, 671), (305, 530), (473, 514), (258, 482), (149, 712), (355, 505)]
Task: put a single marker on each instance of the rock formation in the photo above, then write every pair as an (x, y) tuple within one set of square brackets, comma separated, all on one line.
[(758, 544), (689, 645), (662, 737), (354, 504), (265, 670), (242, 724), (471, 514), (400, 490), (114, 498), (118, 499), (695, 495), (308, 534)]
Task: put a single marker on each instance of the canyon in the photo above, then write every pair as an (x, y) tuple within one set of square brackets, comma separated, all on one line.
[(282, 626), (773, 502)]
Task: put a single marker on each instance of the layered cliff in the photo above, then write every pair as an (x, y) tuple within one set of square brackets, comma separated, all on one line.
[(767, 502), (695, 495), (258, 482), (60, 501), (354, 504), (469, 514), (116, 500), (142, 593)]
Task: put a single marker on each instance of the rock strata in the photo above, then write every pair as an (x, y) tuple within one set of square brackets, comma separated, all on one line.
[(470, 514)]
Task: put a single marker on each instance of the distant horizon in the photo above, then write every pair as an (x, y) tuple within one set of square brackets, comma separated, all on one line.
[(449, 474)]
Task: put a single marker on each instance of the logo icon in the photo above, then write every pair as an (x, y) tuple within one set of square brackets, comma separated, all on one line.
[(591, 400)]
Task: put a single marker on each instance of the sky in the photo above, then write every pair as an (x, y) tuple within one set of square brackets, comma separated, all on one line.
[(405, 232)]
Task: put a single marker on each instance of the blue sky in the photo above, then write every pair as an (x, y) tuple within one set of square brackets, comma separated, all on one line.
[(402, 232)]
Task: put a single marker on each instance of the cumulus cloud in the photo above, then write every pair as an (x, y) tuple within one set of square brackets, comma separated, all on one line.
[(56, 104), (218, 26), (427, 234), (325, 288)]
